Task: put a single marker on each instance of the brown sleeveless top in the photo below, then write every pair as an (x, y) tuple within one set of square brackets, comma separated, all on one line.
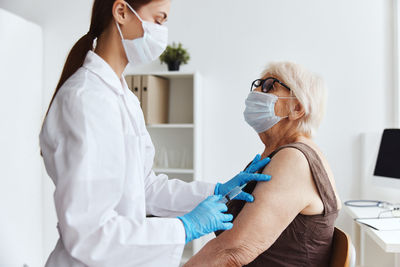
[(307, 240)]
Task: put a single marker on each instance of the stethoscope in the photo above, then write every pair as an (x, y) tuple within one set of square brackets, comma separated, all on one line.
[(372, 203)]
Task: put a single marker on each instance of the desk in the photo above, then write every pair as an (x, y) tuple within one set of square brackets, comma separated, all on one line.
[(389, 241)]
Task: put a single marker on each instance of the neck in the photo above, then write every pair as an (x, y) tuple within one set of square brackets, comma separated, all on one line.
[(276, 138), (109, 47)]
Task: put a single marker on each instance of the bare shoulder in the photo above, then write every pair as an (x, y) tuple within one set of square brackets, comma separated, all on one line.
[(291, 180), (291, 174), (290, 164)]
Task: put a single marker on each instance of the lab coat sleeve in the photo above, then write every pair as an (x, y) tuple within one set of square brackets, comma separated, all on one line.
[(171, 197), (83, 149)]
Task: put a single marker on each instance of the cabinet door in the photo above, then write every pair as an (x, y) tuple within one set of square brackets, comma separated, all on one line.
[(155, 99)]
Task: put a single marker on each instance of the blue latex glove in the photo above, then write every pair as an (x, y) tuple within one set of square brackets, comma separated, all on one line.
[(206, 218), (243, 178)]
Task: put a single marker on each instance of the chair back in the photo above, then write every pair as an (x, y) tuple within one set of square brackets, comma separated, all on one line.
[(343, 252)]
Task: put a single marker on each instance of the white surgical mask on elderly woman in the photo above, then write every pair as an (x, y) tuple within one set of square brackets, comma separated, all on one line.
[(260, 111), (149, 47)]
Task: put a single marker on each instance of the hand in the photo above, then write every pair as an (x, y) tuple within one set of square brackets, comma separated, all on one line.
[(243, 178), (206, 218)]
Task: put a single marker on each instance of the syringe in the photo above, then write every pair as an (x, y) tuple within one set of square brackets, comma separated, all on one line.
[(232, 194)]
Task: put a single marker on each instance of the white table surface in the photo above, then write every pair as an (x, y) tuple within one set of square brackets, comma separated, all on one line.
[(389, 241)]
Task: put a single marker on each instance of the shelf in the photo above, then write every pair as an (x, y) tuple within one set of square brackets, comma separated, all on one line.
[(171, 170), (166, 74), (170, 126)]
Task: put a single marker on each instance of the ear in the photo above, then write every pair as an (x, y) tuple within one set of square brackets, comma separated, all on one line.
[(120, 12), (297, 111)]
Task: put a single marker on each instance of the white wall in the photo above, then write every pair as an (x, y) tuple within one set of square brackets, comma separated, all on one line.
[(60, 31), (30, 10), (21, 52), (60, 28), (348, 42)]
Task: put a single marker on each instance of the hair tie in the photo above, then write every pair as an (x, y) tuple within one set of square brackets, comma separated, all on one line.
[(91, 34)]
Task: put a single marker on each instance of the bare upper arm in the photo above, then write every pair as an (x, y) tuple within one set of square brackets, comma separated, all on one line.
[(276, 204)]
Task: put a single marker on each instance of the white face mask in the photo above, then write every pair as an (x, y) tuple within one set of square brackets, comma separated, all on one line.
[(260, 111), (149, 47)]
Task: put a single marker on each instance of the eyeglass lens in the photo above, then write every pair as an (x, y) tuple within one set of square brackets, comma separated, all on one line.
[(267, 85)]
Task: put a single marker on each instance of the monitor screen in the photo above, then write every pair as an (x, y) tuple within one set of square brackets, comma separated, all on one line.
[(388, 161)]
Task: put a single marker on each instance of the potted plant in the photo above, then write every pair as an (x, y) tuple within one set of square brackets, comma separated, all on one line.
[(175, 55)]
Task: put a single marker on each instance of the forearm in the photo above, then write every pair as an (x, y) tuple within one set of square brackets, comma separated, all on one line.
[(169, 198)]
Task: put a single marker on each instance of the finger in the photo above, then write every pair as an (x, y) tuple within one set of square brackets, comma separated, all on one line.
[(214, 198), (227, 226), (245, 196), (258, 165), (226, 217), (221, 207), (254, 177), (255, 160)]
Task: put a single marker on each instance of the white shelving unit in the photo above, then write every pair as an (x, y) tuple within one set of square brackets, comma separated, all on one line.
[(178, 143)]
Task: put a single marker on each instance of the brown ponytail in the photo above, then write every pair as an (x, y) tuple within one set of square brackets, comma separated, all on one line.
[(101, 18)]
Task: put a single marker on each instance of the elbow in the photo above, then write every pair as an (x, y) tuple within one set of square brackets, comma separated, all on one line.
[(70, 239), (83, 251), (77, 246), (239, 255), (233, 257), (73, 246), (225, 253)]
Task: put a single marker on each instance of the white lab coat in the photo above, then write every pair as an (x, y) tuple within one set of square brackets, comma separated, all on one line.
[(99, 154)]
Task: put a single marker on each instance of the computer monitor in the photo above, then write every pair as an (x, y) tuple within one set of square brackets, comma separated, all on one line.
[(387, 167)]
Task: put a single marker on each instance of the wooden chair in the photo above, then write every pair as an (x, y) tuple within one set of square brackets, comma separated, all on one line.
[(343, 252)]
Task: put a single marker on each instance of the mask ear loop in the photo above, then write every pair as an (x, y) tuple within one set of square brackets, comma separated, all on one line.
[(134, 12), (291, 108), (119, 30)]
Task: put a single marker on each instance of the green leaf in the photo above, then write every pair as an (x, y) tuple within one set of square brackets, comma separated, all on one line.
[(175, 52)]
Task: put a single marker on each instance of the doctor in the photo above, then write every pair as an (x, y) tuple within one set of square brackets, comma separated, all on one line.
[(99, 154)]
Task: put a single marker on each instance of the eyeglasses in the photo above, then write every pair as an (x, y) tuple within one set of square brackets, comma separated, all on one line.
[(267, 84)]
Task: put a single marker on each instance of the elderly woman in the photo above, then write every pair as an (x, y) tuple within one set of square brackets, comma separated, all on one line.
[(291, 221)]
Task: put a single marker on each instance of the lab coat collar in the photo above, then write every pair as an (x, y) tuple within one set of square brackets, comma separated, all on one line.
[(101, 68)]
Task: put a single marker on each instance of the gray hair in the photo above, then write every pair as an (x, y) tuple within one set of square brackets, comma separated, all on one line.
[(307, 87)]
